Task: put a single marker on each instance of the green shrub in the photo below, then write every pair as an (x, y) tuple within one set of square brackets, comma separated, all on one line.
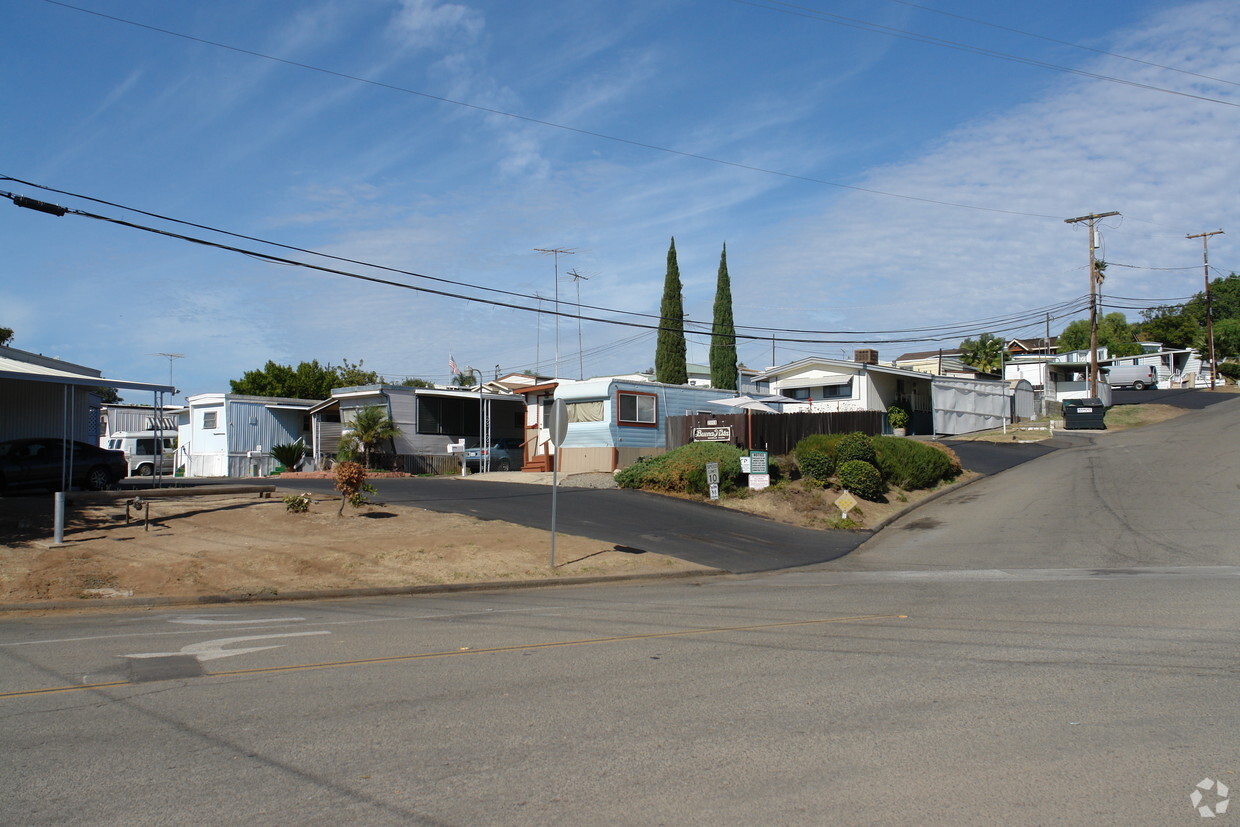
[(855, 446), (826, 443), (815, 465), (911, 465), (862, 479), (683, 470), (289, 454), (1229, 370), (951, 457), (298, 503)]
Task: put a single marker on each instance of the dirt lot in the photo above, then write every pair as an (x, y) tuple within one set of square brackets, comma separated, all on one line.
[(809, 506), (246, 546)]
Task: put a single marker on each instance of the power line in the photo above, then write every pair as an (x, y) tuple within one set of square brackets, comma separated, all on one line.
[(973, 324), (941, 332)]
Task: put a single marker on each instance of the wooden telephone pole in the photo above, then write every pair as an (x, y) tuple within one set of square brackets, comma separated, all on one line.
[(1205, 265), (1093, 295)]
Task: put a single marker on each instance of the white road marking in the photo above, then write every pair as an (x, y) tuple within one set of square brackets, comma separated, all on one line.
[(214, 649), (437, 616), (201, 620)]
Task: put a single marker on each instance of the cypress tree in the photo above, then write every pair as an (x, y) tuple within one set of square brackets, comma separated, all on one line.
[(723, 331), (669, 354)]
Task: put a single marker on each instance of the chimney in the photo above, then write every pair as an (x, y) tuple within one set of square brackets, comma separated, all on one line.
[(866, 356)]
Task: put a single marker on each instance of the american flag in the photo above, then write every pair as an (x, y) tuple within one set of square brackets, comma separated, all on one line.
[(452, 365)]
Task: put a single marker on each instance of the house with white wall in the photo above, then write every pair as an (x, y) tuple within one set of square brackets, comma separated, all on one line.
[(231, 435), (611, 420)]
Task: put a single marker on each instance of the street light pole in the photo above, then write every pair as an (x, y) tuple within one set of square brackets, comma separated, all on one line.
[(484, 430)]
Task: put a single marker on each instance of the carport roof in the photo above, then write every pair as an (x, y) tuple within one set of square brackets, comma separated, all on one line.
[(13, 368)]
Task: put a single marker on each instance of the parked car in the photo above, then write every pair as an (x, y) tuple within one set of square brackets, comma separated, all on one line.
[(505, 455), (37, 463), (142, 450), (1137, 377)]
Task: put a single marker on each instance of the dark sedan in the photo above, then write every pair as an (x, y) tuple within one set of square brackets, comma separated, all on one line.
[(41, 463)]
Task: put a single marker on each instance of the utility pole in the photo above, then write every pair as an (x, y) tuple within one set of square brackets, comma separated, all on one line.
[(581, 363), (1205, 266), (1093, 295), (556, 252)]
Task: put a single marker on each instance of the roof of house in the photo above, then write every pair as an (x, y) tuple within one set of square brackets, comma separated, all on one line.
[(926, 354), (33, 367), (857, 367)]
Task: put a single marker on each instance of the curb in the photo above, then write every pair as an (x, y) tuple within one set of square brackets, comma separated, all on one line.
[(331, 594)]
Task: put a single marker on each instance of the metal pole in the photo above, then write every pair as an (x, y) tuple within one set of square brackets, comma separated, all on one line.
[(1093, 296), (60, 518), (1205, 266)]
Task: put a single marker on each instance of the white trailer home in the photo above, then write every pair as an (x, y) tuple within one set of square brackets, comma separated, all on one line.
[(229, 435)]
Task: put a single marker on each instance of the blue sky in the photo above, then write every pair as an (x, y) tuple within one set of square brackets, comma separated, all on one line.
[(708, 120)]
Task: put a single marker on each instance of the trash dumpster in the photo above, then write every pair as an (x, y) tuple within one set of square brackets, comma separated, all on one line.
[(1084, 414)]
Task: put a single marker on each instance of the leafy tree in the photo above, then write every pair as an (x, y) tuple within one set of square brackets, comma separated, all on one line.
[(1226, 339), (371, 426), (108, 396), (723, 331), (1114, 333), (1171, 325), (309, 380), (669, 354), (355, 375), (464, 380), (6, 336), (417, 383), (984, 353)]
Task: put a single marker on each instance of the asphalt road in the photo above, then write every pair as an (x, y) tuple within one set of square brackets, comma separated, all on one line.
[(1052, 645), (635, 520)]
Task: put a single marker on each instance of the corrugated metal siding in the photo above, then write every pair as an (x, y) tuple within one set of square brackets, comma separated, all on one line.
[(252, 424), (29, 409), (403, 408)]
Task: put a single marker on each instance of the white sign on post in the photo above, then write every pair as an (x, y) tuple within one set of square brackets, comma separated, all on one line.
[(712, 479)]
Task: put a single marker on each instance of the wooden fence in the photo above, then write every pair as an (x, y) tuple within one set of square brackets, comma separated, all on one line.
[(777, 433)]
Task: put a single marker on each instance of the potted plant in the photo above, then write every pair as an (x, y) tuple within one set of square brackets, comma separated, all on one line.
[(898, 417)]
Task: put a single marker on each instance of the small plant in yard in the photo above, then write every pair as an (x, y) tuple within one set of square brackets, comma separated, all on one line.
[(359, 499), (289, 454), (298, 503), (351, 483), (862, 479), (897, 416)]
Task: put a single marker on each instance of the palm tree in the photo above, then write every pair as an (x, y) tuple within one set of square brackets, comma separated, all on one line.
[(370, 426)]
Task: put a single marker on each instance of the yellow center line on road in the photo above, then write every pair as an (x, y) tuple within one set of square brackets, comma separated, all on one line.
[(485, 651)]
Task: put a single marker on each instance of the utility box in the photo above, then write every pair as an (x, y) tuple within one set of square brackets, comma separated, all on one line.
[(1084, 414)]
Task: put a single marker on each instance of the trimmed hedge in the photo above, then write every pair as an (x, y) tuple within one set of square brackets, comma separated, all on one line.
[(684, 469), (815, 464), (855, 446), (862, 479), (910, 465)]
